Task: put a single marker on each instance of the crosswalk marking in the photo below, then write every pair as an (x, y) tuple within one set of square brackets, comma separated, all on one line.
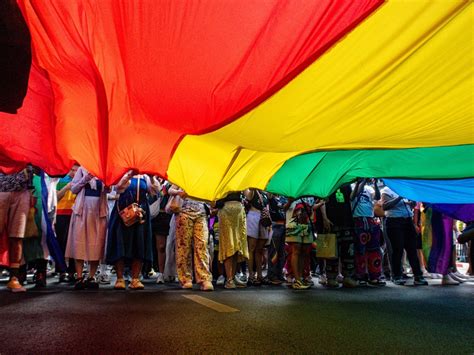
[(216, 306)]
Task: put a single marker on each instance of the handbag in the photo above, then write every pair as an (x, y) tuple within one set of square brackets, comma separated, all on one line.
[(133, 213), (326, 246), (174, 204)]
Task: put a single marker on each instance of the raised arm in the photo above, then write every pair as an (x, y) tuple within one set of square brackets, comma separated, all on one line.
[(124, 182), (80, 180)]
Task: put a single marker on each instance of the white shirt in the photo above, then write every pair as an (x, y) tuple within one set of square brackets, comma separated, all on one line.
[(401, 209)]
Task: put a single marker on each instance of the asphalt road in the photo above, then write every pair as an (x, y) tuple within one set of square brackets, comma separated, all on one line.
[(268, 319)]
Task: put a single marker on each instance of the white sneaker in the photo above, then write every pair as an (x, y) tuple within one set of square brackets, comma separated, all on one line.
[(104, 279), (160, 278), (456, 278), (220, 280), (436, 276), (323, 280), (239, 283), (340, 279), (448, 280), (462, 276)]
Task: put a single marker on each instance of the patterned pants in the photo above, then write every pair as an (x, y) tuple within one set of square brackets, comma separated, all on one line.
[(189, 229), (368, 255)]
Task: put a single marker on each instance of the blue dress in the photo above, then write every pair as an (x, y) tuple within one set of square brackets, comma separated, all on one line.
[(133, 242)]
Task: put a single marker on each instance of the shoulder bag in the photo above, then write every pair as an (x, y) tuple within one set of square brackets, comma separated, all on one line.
[(133, 213)]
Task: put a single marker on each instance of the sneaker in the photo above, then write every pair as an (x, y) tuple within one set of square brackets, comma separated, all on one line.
[(462, 276), (92, 283), (40, 280), (449, 281), (332, 283), (349, 282), (244, 278), (239, 283), (207, 286), (15, 286), (308, 281), (377, 282), (120, 284), (340, 278), (104, 279), (151, 274), (276, 281), (230, 285), (136, 284), (398, 281), (160, 278), (62, 277), (5, 273), (220, 280), (323, 280), (362, 282), (300, 285), (457, 278), (420, 281), (187, 285)]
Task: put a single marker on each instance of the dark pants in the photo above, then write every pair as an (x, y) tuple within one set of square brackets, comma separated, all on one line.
[(276, 252), (345, 244), (62, 232), (402, 235)]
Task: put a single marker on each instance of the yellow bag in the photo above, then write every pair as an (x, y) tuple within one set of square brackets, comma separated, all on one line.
[(326, 246)]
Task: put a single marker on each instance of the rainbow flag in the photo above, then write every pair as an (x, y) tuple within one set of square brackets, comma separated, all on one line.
[(294, 97)]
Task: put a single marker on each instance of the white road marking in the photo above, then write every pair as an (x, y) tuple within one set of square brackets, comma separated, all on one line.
[(216, 306)]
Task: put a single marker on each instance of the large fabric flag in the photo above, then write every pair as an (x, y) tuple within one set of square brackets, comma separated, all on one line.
[(295, 97)]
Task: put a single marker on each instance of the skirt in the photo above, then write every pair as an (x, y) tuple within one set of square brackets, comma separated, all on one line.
[(87, 232), (233, 231), (254, 229), (129, 243)]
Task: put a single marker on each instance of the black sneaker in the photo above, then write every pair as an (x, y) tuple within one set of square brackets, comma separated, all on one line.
[(398, 281), (92, 283), (40, 279), (377, 282), (420, 281)]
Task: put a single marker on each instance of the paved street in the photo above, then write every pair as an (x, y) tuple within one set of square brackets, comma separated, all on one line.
[(268, 319)]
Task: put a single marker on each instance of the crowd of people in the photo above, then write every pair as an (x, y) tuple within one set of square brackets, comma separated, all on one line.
[(364, 234)]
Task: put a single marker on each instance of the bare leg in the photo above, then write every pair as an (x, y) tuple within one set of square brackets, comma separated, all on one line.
[(161, 249), (259, 257), (119, 266), (136, 268), (79, 264), (252, 246), (296, 258), (93, 265)]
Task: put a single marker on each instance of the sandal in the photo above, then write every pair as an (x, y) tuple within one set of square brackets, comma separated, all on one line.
[(120, 284), (136, 285)]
